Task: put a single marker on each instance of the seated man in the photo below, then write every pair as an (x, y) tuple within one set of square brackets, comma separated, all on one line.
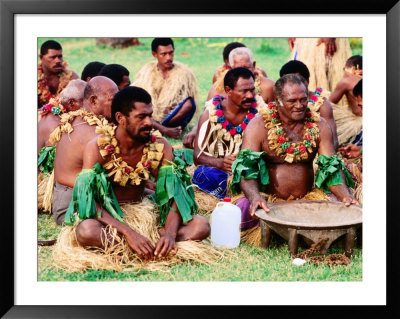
[(91, 70), (130, 154), (53, 75), (351, 75), (221, 126), (349, 120), (118, 73), (318, 101), (221, 71), (278, 150), (74, 131), (172, 86), (239, 57), (70, 99)]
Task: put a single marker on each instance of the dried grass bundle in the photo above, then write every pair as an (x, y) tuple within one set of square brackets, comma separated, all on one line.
[(45, 191), (117, 255)]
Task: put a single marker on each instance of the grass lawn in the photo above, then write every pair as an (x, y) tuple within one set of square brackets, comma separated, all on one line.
[(203, 56)]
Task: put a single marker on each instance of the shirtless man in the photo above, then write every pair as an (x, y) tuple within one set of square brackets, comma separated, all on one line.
[(53, 75), (351, 76), (68, 161), (91, 70), (71, 99), (289, 165), (131, 111), (323, 106)]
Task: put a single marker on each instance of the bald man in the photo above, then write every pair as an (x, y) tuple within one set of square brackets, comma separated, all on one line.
[(68, 161), (71, 99)]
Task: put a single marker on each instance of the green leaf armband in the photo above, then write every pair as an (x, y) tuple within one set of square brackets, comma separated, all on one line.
[(249, 165), (329, 173), (46, 159), (186, 153), (91, 186), (174, 184)]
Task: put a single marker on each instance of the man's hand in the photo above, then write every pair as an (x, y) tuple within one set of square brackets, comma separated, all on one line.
[(258, 203), (349, 200), (330, 46), (165, 245), (188, 140), (141, 245), (227, 163), (291, 42), (174, 132), (350, 151)]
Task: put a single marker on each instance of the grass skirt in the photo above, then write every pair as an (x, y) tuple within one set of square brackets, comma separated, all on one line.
[(45, 191), (69, 256)]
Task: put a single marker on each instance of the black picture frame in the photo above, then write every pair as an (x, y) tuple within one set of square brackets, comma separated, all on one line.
[(8, 10)]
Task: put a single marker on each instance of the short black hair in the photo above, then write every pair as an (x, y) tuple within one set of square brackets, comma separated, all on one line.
[(229, 47), (357, 90), (233, 75), (91, 69), (295, 66), (356, 61), (161, 41), (124, 100), (114, 72), (49, 44)]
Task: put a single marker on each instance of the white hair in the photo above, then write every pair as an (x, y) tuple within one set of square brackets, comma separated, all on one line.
[(240, 52), (73, 91)]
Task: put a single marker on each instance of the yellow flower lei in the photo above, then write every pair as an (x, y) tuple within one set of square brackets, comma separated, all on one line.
[(123, 173), (44, 93), (67, 118), (278, 142)]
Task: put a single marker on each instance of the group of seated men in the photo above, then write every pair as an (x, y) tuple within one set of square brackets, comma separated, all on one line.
[(102, 139)]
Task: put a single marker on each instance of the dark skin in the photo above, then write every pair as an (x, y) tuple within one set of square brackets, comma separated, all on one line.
[(52, 67), (235, 108), (165, 58), (326, 112), (132, 133), (49, 122), (69, 150), (345, 87), (330, 45), (266, 85), (287, 179)]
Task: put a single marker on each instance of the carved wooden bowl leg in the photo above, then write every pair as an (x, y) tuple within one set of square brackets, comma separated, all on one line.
[(265, 234), (293, 241)]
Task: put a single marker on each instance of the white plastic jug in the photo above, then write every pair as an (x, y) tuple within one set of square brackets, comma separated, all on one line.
[(225, 225)]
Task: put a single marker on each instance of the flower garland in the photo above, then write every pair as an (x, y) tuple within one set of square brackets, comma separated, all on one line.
[(54, 106), (44, 93), (226, 125), (67, 118), (278, 141), (123, 173)]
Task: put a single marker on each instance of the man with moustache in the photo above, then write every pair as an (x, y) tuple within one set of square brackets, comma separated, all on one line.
[(74, 131), (220, 129), (173, 89), (130, 154), (53, 75)]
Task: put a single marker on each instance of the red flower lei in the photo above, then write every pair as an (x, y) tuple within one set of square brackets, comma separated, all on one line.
[(44, 93), (278, 141)]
